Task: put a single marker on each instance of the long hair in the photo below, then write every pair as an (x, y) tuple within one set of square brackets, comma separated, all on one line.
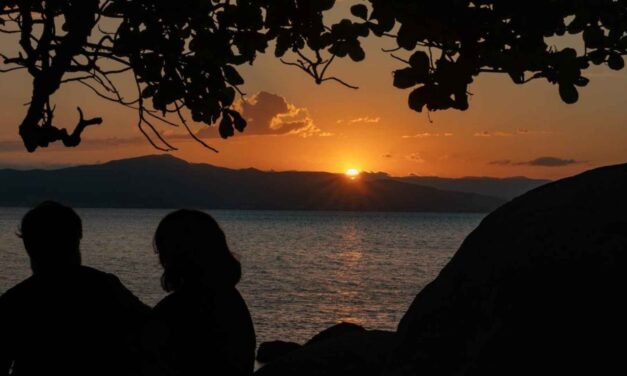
[(192, 249)]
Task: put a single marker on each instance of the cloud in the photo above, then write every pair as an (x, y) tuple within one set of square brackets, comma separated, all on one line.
[(266, 113), (12, 146), (415, 157), (367, 120), (387, 156), (518, 132), (427, 134), (502, 162), (493, 134), (7, 146), (525, 131), (360, 120), (551, 162), (271, 114), (539, 162)]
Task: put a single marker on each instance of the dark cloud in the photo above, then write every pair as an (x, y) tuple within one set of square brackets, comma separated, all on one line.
[(501, 162), (493, 134), (538, 162), (13, 146), (415, 157), (551, 162), (271, 114)]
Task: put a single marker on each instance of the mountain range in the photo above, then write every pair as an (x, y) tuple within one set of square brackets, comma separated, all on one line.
[(505, 188), (163, 181)]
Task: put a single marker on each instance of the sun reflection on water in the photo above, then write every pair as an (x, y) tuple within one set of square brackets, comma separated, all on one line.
[(346, 287)]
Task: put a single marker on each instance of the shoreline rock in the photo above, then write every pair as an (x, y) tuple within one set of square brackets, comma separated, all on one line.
[(271, 351), (344, 349)]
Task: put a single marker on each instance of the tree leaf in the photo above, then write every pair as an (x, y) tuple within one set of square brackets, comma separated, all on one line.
[(421, 64), (226, 126), (404, 78), (407, 38), (238, 121), (616, 62), (232, 76), (418, 98), (228, 96), (360, 11), (569, 93), (356, 53), (149, 91), (582, 81)]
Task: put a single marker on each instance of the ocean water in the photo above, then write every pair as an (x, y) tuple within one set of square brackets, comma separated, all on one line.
[(302, 271)]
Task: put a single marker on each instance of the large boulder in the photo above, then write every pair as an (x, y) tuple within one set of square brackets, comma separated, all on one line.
[(538, 288)]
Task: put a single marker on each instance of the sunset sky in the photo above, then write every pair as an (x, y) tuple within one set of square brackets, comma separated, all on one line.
[(296, 125)]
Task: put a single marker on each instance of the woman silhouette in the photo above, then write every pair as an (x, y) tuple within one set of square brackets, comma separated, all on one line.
[(204, 325)]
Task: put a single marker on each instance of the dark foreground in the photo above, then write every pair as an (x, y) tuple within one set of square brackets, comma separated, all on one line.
[(537, 288)]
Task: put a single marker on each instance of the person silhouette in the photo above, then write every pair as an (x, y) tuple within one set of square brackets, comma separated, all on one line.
[(203, 326), (66, 319)]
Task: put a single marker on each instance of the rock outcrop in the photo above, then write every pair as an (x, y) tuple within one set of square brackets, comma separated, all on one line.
[(342, 350), (338, 330), (274, 350), (538, 288)]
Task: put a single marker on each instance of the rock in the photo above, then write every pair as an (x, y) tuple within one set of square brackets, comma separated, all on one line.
[(358, 353), (271, 351), (340, 329), (538, 288)]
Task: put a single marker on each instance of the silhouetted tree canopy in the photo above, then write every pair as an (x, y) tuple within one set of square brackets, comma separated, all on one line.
[(183, 55)]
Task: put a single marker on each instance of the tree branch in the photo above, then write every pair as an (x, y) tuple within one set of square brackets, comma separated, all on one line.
[(75, 138)]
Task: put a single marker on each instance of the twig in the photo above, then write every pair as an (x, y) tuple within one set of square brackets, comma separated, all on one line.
[(191, 133), (341, 82)]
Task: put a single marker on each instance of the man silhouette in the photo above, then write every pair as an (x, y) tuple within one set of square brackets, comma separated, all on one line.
[(66, 318)]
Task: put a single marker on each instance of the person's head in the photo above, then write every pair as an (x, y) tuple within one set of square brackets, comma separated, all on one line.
[(192, 250), (51, 233)]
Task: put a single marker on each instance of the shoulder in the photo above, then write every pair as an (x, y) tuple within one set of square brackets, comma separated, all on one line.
[(17, 301), (17, 292), (99, 279), (232, 298), (168, 305), (91, 273), (231, 308), (109, 285)]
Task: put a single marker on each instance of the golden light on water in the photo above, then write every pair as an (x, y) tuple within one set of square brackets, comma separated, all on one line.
[(352, 173)]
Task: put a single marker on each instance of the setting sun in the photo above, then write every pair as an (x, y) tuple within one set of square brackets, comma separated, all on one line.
[(352, 173)]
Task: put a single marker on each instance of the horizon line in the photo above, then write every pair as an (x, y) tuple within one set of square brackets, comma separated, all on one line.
[(62, 166)]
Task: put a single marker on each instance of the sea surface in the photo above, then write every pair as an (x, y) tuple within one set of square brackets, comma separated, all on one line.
[(302, 271)]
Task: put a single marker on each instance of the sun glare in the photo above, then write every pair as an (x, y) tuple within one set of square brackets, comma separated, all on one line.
[(352, 173)]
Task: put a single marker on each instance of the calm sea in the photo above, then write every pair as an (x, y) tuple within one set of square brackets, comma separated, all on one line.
[(302, 271)]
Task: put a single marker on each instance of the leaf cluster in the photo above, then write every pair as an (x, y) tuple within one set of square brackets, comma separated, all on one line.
[(184, 56), (468, 37)]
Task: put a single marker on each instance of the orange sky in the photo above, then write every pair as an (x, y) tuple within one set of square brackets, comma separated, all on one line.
[(333, 128)]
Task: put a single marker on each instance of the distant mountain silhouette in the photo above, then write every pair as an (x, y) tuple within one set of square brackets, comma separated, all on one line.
[(166, 182), (505, 188)]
